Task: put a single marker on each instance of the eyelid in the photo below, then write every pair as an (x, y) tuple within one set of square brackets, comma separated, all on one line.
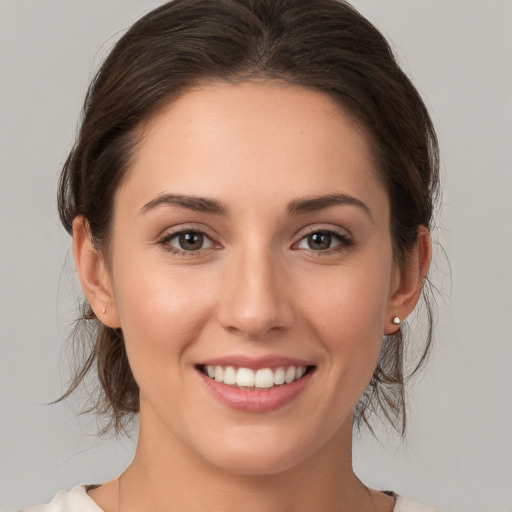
[(185, 228), (176, 236), (170, 233), (323, 228), (344, 237)]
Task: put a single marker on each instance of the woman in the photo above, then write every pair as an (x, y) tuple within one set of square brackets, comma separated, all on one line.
[(250, 198)]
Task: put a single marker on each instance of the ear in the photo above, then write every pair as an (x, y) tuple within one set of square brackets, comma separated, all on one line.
[(408, 281), (93, 274)]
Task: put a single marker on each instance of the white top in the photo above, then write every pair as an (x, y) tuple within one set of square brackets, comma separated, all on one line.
[(77, 500)]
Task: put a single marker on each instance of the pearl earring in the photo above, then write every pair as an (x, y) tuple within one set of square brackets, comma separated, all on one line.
[(396, 320), (104, 310)]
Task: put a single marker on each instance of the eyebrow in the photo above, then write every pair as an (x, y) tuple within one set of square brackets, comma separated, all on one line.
[(316, 203), (198, 204), (297, 206)]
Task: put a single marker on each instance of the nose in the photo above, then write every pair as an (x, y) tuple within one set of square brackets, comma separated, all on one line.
[(255, 298)]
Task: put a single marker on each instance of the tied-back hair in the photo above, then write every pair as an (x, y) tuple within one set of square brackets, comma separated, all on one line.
[(325, 45)]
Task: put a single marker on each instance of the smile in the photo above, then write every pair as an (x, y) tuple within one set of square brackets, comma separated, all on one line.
[(256, 385), (260, 379)]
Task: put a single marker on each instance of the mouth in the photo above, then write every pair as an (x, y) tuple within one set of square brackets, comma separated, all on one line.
[(260, 379)]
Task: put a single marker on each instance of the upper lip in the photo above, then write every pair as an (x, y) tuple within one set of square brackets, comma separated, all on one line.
[(255, 363)]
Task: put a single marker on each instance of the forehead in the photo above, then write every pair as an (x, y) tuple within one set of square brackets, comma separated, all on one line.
[(252, 140)]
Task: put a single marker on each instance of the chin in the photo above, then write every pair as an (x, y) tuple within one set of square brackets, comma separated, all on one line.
[(257, 462), (260, 453)]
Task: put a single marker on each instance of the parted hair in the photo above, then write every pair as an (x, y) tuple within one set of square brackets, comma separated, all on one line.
[(325, 45)]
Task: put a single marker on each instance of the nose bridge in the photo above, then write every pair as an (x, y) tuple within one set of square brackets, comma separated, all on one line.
[(256, 299)]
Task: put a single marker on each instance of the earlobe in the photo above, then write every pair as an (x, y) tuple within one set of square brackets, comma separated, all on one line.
[(409, 282), (93, 274)]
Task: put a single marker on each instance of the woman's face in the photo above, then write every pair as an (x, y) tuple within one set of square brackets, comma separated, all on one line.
[(250, 237)]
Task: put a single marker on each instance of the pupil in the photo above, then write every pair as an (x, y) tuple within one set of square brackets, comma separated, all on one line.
[(319, 241), (191, 241)]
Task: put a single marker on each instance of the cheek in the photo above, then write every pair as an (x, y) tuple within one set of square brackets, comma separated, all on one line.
[(347, 312), (352, 300), (161, 312)]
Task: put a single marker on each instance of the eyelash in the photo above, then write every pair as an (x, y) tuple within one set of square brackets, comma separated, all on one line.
[(343, 242), (166, 239)]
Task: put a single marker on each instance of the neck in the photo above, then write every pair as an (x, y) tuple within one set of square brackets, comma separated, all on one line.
[(165, 475)]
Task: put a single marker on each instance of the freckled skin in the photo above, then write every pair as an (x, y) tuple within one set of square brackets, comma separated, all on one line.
[(256, 288)]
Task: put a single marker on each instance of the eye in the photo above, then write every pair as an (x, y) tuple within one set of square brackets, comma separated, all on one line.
[(322, 241), (188, 241)]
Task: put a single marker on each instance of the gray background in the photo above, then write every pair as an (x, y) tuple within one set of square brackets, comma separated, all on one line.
[(458, 453)]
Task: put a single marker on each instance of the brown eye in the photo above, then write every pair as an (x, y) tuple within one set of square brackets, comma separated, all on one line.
[(321, 241), (190, 241)]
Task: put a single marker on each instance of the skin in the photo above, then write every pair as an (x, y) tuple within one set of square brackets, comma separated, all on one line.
[(257, 287)]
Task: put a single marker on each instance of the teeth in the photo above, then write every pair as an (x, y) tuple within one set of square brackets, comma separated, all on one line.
[(245, 377), (230, 375), (299, 372), (290, 375), (279, 376), (219, 374), (264, 378)]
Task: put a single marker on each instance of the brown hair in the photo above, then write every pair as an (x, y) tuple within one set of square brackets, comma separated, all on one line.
[(322, 44)]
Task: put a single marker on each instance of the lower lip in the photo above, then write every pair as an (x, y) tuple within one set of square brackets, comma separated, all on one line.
[(256, 400)]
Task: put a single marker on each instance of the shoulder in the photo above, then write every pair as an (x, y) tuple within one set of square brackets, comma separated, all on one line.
[(76, 500), (403, 504)]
